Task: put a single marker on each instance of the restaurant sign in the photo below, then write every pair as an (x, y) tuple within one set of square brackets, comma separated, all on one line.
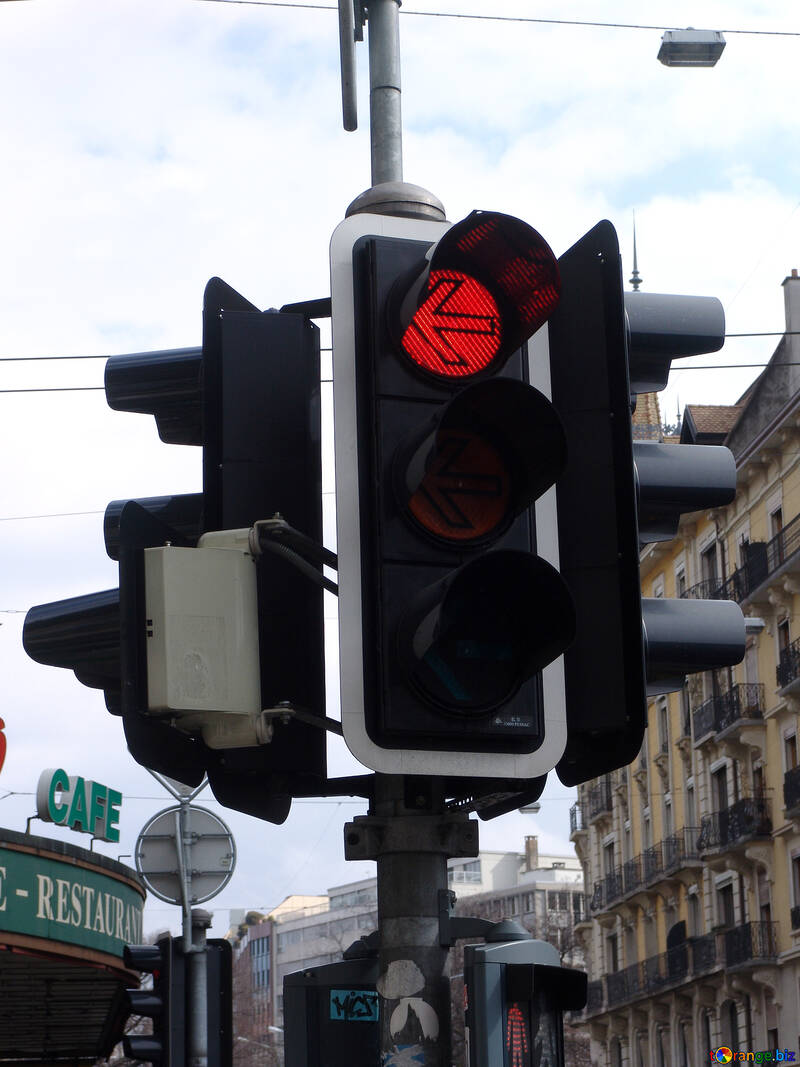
[(62, 901)]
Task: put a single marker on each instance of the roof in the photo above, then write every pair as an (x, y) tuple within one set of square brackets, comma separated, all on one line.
[(708, 424), (646, 418)]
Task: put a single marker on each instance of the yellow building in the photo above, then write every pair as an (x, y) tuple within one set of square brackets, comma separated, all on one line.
[(692, 854)]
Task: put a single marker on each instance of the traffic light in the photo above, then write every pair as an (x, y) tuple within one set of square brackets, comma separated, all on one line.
[(452, 613), (198, 640), (164, 1003), (617, 494), (219, 990), (516, 993)]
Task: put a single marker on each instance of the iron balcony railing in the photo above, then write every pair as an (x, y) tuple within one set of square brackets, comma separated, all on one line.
[(595, 996), (750, 943), (762, 559), (788, 669), (740, 703), (675, 852), (708, 589), (599, 797), (576, 820), (704, 953), (743, 820), (608, 890)]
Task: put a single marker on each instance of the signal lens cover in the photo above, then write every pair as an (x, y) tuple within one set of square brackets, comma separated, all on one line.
[(465, 494), (457, 330)]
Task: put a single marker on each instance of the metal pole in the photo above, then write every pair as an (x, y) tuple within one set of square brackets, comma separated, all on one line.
[(411, 836), (385, 120), (198, 990)]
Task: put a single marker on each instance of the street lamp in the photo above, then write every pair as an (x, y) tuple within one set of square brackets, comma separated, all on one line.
[(691, 48)]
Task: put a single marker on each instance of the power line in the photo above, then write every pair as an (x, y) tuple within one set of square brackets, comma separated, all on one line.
[(59, 389), (510, 18)]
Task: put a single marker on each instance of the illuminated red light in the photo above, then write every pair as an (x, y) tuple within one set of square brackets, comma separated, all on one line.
[(457, 330), (493, 282)]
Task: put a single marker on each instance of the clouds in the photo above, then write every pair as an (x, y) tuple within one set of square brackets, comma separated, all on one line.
[(150, 145)]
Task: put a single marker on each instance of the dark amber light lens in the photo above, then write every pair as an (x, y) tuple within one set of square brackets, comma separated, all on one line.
[(457, 330), (465, 494)]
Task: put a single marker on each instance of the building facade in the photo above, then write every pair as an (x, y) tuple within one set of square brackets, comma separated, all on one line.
[(692, 854)]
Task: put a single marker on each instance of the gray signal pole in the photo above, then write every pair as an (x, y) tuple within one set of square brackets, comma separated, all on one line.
[(408, 832), (388, 194), (411, 835)]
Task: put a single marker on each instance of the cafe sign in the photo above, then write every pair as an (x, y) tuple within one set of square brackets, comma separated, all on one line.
[(79, 804)]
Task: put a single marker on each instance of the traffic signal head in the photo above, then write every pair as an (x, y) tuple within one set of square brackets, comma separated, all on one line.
[(165, 1003), (452, 614), (250, 398), (617, 495)]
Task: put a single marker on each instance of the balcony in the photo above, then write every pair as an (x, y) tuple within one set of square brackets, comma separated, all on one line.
[(791, 793), (736, 825), (607, 891), (751, 944), (708, 589), (656, 864), (725, 712), (595, 997), (577, 823), (763, 560), (788, 669), (599, 800)]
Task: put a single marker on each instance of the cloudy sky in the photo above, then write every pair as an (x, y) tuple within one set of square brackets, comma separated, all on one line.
[(148, 146)]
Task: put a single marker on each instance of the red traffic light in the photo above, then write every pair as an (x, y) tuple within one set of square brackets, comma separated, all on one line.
[(489, 283)]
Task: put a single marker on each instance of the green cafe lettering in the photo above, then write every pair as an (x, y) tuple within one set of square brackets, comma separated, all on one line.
[(79, 804)]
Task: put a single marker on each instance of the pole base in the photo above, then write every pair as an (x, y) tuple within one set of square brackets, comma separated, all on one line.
[(398, 198)]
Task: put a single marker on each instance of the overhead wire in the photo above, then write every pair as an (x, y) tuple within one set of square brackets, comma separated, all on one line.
[(509, 18)]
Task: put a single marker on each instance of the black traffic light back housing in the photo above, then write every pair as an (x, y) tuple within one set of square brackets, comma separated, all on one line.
[(618, 494), (250, 398)]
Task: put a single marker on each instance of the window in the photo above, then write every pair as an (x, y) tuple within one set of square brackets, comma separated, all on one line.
[(758, 781), (465, 873), (796, 879), (784, 639), (695, 916), (719, 788), (608, 858), (708, 565), (691, 805), (612, 953), (790, 751), (680, 581), (725, 911), (557, 901), (663, 726), (668, 823)]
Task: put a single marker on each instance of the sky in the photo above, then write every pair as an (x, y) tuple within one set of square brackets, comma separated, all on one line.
[(149, 146)]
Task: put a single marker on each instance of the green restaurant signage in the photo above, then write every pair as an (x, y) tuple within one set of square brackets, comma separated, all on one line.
[(62, 901)]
